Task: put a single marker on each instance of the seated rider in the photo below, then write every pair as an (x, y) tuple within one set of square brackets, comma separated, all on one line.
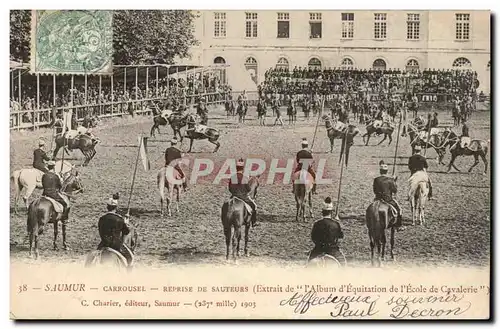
[(304, 157), (39, 157), (239, 187), (112, 228), (465, 138), (172, 158), (59, 125), (384, 187), (417, 162), (52, 184), (325, 234)]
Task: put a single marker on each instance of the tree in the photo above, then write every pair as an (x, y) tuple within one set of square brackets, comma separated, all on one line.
[(139, 36), (152, 36), (20, 21)]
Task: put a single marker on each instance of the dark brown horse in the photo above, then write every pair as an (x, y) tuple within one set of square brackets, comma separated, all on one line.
[(378, 217), (336, 129), (234, 215), (158, 121), (41, 212), (386, 129), (211, 134), (84, 143), (438, 142), (477, 148)]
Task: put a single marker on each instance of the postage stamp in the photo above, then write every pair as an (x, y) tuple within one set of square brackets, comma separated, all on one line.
[(71, 41)]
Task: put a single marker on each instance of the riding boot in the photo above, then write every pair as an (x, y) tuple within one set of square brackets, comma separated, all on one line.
[(399, 223), (254, 219), (314, 189)]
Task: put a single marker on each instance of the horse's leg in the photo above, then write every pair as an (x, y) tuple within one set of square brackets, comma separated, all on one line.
[(390, 138), (310, 206), (227, 235), (35, 232), (56, 231), (452, 160), (297, 204), (332, 140), (392, 242), (367, 139), (28, 191), (247, 229), (383, 241), (476, 161), (383, 139), (379, 246), (177, 199), (31, 234), (372, 246), (485, 161), (216, 143), (364, 137), (190, 145), (152, 131)]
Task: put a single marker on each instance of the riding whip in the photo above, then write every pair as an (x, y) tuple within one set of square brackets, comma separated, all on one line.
[(317, 122), (397, 142), (341, 173)]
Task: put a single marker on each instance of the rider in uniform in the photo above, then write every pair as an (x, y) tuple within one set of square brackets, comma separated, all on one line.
[(465, 138), (325, 234), (417, 162), (304, 157), (239, 187), (59, 125), (39, 157), (384, 186), (52, 184), (174, 154), (112, 228)]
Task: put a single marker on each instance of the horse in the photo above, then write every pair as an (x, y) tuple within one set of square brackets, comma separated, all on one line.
[(440, 139), (324, 261), (42, 211), (235, 214), (417, 194), (169, 182), (90, 121), (230, 109), (337, 129), (386, 129), (29, 179), (291, 111), (108, 257), (477, 148), (84, 143), (378, 217), (241, 110), (158, 121), (192, 132), (302, 186)]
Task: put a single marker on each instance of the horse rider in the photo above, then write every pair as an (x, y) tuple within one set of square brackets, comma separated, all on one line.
[(59, 125), (305, 157), (384, 188), (326, 233), (52, 184), (174, 154), (465, 138), (417, 162), (40, 156), (112, 228), (239, 187)]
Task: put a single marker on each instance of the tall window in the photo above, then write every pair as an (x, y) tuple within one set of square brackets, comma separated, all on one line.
[(379, 64), (347, 63), (252, 67), (283, 25), (283, 63), (251, 25), (347, 25), (380, 26), (314, 63), (315, 26), (461, 62), (413, 27), (462, 26), (219, 25), (412, 66)]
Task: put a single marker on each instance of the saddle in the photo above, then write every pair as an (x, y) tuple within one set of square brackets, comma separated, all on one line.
[(247, 206), (166, 114), (58, 207), (201, 129)]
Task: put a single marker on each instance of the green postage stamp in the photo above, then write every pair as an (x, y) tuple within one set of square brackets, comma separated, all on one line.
[(71, 41)]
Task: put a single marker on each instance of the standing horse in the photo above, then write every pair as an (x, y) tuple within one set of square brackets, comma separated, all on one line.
[(417, 194), (166, 179), (41, 212), (29, 179), (302, 186), (378, 218), (386, 129), (192, 132), (84, 143), (234, 215), (241, 110), (477, 148)]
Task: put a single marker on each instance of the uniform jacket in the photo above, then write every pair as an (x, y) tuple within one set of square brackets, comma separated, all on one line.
[(112, 227), (51, 183), (465, 130), (326, 232), (241, 187), (304, 155), (39, 156), (384, 187), (172, 153), (416, 163)]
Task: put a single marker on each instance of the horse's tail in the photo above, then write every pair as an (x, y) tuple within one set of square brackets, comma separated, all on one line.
[(33, 218)]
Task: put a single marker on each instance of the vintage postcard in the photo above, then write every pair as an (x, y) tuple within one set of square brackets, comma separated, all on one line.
[(250, 164)]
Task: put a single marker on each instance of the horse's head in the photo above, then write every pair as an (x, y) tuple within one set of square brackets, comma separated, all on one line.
[(73, 184)]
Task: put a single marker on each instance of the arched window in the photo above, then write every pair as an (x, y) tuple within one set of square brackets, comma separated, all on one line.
[(219, 60), (283, 64), (412, 66), (314, 63), (461, 62), (347, 63), (379, 64), (252, 67)]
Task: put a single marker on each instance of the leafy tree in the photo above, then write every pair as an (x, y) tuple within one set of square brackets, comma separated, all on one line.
[(139, 36)]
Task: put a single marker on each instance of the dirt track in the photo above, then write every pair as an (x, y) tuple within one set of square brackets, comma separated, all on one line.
[(457, 229)]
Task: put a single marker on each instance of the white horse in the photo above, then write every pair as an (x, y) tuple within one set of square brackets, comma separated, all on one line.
[(29, 179), (417, 194)]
